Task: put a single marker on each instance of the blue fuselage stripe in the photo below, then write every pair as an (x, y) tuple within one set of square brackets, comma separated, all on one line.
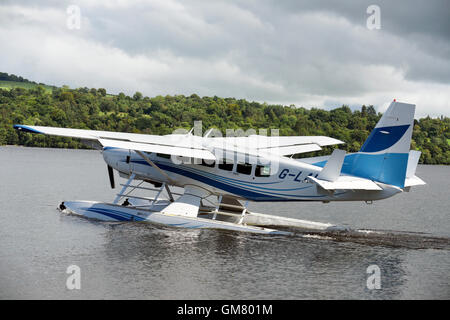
[(237, 190)]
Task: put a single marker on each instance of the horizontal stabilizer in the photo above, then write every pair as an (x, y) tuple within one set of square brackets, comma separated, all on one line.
[(413, 160), (346, 183), (411, 178), (332, 169), (414, 181)]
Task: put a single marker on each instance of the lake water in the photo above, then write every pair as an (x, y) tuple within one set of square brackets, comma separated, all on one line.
[(411, 245)]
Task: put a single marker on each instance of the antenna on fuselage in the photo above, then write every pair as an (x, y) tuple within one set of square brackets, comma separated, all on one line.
[(208, 133)]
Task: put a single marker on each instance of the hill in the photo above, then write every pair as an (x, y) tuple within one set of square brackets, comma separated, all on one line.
[(11, 81), (95, 109)]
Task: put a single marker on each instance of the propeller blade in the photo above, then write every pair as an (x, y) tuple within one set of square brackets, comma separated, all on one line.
[(111, 177)]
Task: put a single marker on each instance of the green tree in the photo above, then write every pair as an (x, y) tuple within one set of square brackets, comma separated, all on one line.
[(93, 109), (102, 92)]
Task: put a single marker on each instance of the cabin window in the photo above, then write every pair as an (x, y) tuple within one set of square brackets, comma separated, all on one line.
[(244, 168), (224, 165), (208, 163), (262, 171), (163, 155)]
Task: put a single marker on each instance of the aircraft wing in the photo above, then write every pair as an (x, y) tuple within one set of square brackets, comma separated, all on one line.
[(185, 145), (147, 147), (95, 135), (285, 145), (293, 149), (178, 145)]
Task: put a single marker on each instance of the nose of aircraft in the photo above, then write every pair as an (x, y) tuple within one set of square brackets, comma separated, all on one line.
[(111, 155), (116, 158)]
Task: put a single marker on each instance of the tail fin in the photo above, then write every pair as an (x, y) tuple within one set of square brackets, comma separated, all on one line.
[(384, 155)]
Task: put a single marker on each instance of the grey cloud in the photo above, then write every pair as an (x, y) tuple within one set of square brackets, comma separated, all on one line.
[(303, 52), (404, 17)]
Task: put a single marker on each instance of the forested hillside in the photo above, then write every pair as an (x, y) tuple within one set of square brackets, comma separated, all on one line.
[(10, 81), (95, 109)]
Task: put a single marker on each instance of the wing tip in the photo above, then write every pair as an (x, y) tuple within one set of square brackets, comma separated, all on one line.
[(25, 128)]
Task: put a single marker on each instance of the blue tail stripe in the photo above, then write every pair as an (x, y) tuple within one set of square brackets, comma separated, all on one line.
[(383, 138)]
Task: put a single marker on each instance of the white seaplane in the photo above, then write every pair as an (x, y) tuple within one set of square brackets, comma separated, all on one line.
[(229, 170)]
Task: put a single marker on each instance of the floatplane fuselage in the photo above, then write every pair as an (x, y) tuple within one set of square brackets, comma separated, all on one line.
[(287, 180)]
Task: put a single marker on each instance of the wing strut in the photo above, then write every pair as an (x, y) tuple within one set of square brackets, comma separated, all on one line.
[(150, 162), (157, 195), (169, 193)]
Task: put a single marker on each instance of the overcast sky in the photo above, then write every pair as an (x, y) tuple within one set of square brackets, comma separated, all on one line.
[(307, 53)]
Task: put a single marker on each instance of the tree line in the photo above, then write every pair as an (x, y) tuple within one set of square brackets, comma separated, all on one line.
[(12, 77), (90, 108)]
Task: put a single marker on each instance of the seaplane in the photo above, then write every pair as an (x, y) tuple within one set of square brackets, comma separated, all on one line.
[(219, 175)]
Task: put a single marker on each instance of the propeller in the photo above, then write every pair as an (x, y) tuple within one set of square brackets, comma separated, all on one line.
[(111, 177)]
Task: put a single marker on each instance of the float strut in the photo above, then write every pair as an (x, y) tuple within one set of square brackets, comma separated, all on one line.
[(217, 207), (157, 195), (125, 186), (243, 213)]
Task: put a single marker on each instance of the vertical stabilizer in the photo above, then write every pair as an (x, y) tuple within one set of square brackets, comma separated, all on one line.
[(384, 155)]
